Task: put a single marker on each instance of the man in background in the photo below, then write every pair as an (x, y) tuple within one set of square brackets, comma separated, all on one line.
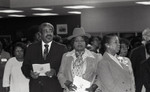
[(137, 56)]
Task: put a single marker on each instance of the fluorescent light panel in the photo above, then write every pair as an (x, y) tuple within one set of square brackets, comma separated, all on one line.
[(74, 12), (144, 2), (44, 14), (10, 11), (42, 9), (79, 7), (15, 15)]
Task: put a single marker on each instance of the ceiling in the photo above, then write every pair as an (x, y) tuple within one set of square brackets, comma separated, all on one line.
[(56, 5)]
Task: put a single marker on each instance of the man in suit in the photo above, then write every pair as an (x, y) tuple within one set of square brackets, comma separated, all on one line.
[(146, 68), (44, 52), (137, 57)]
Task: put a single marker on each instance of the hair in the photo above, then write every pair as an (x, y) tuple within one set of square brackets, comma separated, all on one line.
[(135, 42), (21, 45), (44, 25), (146, 31), (57, 38), (93, 37), (106, 39), (86, 39), (124, 41)]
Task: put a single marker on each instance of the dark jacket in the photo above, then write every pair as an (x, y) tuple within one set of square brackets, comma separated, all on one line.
[(146, 75), (34, 56), (137, 57)]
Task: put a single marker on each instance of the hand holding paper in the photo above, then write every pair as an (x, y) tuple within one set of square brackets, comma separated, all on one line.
[(51, 73), (41, 68), (92, 88), (70, 85), (81, 84), (34, 75)]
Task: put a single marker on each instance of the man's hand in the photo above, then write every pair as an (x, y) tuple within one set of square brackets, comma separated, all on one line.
[(70, 85), (34, 75), (92, 88), (51, 73)]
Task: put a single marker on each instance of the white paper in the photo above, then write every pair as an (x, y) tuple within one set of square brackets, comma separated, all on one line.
[(41, 68), (81, 84)]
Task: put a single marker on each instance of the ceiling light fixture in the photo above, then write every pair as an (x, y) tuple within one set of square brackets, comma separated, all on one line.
[(10, 11), (41, 9), (74, 12), (15, 15), (143, 2), (79, 7), (45, 14)]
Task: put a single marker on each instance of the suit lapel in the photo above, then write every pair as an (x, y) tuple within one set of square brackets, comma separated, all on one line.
[(111, 60), (70, 61), (144, 51), (39, 49), (51, 50)]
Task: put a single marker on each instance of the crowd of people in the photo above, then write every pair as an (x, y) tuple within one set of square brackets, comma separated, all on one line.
[(78, 63)]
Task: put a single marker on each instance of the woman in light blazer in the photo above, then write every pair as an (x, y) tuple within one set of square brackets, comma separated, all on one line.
[(79, 62), (114, 72)]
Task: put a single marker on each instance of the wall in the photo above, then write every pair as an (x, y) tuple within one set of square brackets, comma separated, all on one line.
[(29, 25), (116, 19)]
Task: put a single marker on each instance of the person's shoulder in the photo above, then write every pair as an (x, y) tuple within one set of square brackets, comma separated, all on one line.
[(147, 60), (105, 58), (69, 53), (98, 55), (126, 58), (33, 45), (11, 60), (139, 48), (5, 52), (58, 44)]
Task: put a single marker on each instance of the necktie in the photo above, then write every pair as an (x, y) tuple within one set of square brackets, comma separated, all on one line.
[(45, 51)]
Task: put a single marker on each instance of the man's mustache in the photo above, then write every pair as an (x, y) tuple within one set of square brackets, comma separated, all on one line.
[(48, 35)]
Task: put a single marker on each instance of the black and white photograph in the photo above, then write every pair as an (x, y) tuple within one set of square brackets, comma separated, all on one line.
[(74, 45), (62, 29)]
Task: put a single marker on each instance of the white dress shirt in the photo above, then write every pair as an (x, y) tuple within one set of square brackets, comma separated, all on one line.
[(43, 47)]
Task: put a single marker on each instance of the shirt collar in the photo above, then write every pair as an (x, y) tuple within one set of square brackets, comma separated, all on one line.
[(43, 43), (87, 53), (114, 58), (47, 44)]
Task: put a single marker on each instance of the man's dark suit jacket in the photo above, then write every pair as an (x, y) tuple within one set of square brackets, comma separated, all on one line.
[(146, 75), (34, 56), (137, 57)]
